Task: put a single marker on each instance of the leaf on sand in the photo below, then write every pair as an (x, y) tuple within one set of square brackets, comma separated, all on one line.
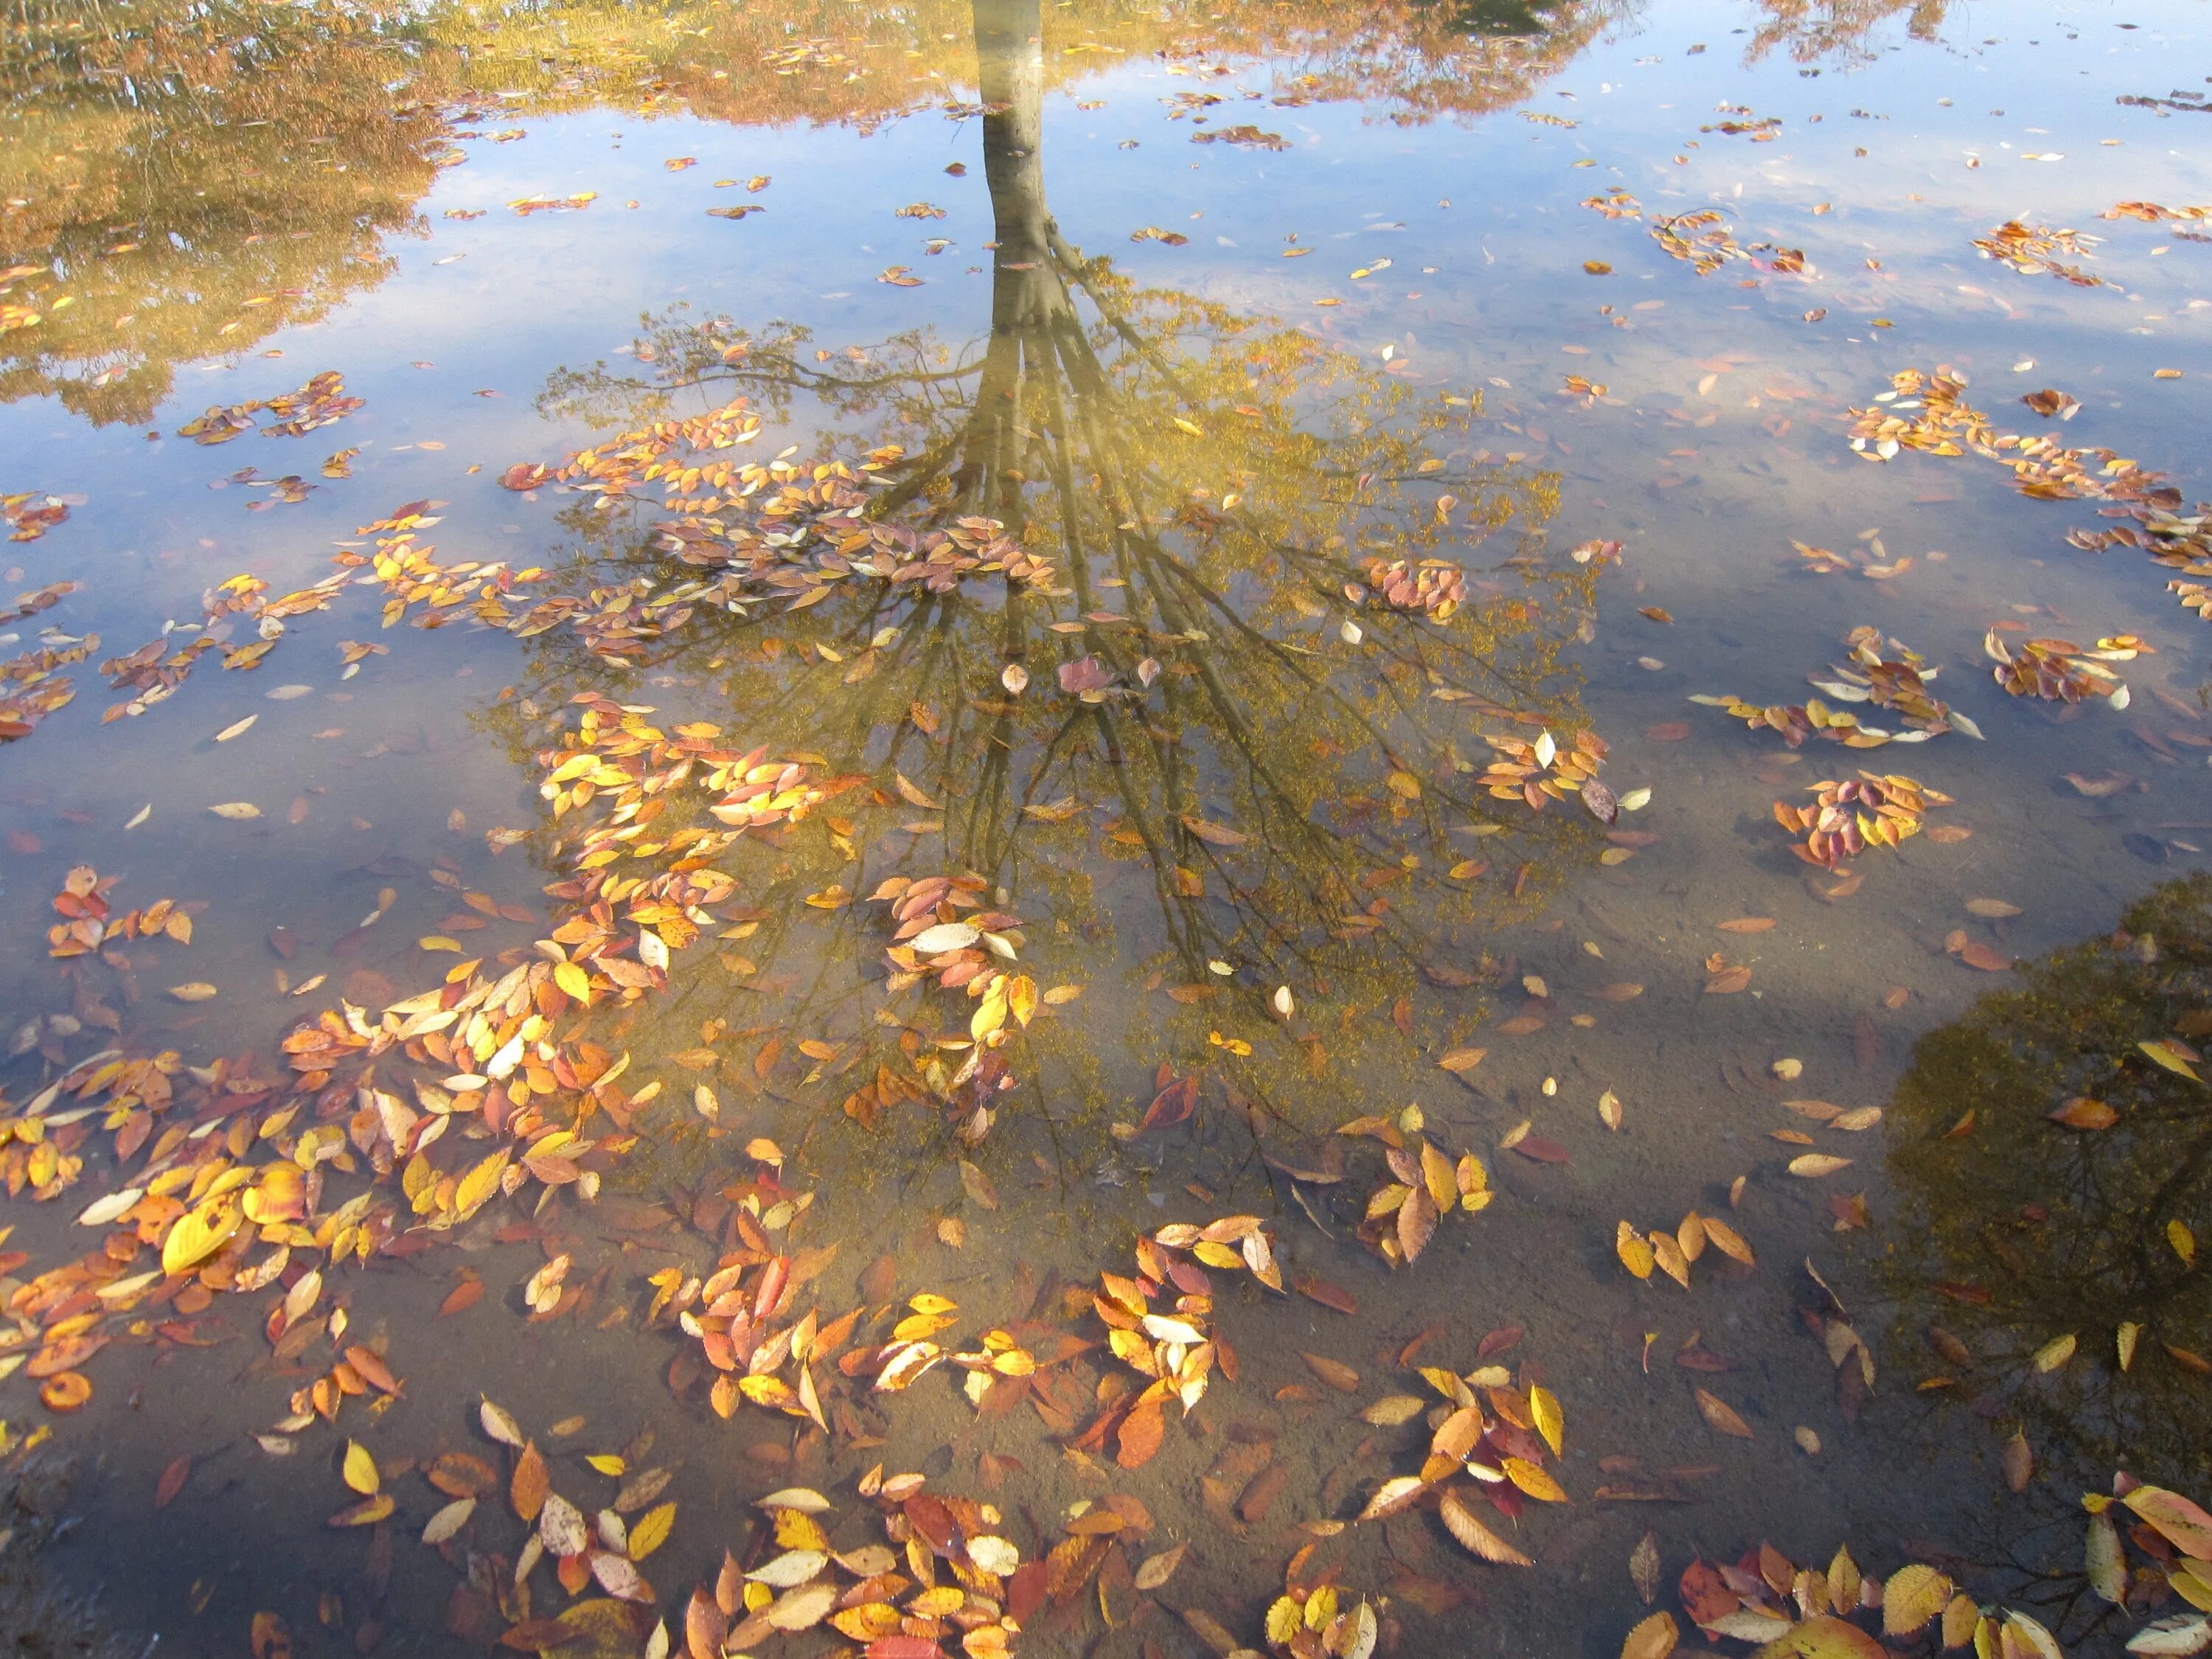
[(1477, 1538), (500, 1423), (236, 810), (1394, 1410), (1729, 1242), (1140, 1435), (1644, 1570), (1813, 1166), (1722, 1415), (531, 1484), (1462, 1060), (360, 1469), (1334, 1372), (1635, 1254), (1746, 924), (172, 1482), (449, 1520), (1155, 1570), (1393, 1495)]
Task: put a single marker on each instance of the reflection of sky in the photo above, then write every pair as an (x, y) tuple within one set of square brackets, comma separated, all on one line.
[(1489, 287)]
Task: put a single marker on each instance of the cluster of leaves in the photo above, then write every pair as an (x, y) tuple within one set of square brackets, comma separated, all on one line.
[(1490, 1437), (29, 514), (1673, 1253), (1402, 1215), (2059, 671), (1807, 1613), (1429, 587), (1176, 1351), (1849, 815), (2173, 1537), (2029, 249), (322, 402), (1899, 682), (1544, 771), (1944, 423)]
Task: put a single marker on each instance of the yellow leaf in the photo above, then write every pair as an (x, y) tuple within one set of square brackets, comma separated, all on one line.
[(1913, 1596), (2174, 1056), (1635, 1254), (2183, 1242), (440, 942), (1550, 1423), (1654, 1639), (477, 1186), (2056, 1353), (199, 1234), (1181, 425), (360, 1469), (1534, 1480), (1286, 1618), (573, 980), (651, 1531), (608, 1464)]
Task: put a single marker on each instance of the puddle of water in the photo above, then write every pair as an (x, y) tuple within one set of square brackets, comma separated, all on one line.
[(813, 676)]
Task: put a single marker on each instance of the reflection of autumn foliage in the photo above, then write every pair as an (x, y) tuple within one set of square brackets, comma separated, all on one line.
[(2046, 1156), (194, 178), (1813, 29)]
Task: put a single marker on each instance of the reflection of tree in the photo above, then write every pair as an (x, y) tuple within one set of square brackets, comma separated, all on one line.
[(1814, 29), (197, 177), (2025, 1230), (1281, 771)]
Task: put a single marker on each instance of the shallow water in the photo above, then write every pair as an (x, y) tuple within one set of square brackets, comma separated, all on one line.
[(1157, 331)]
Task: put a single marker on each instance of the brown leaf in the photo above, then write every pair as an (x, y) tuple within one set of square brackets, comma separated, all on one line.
[(2019, 1461), (172, 1482), (1477, 1538), (1746, 924), (1979, 955), (1643, 1567), (1140, 1435), (528, 1489), (1727, 980), (1722, 1415), (1334, 1372), (1416, 1223)]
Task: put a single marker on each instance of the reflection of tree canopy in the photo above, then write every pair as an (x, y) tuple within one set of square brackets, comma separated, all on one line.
[(2028, 1230), (195, 177), (198, 176), (1220, 756), (1814, 29)]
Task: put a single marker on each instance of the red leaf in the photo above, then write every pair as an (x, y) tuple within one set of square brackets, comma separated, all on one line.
[(172, 1482)]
